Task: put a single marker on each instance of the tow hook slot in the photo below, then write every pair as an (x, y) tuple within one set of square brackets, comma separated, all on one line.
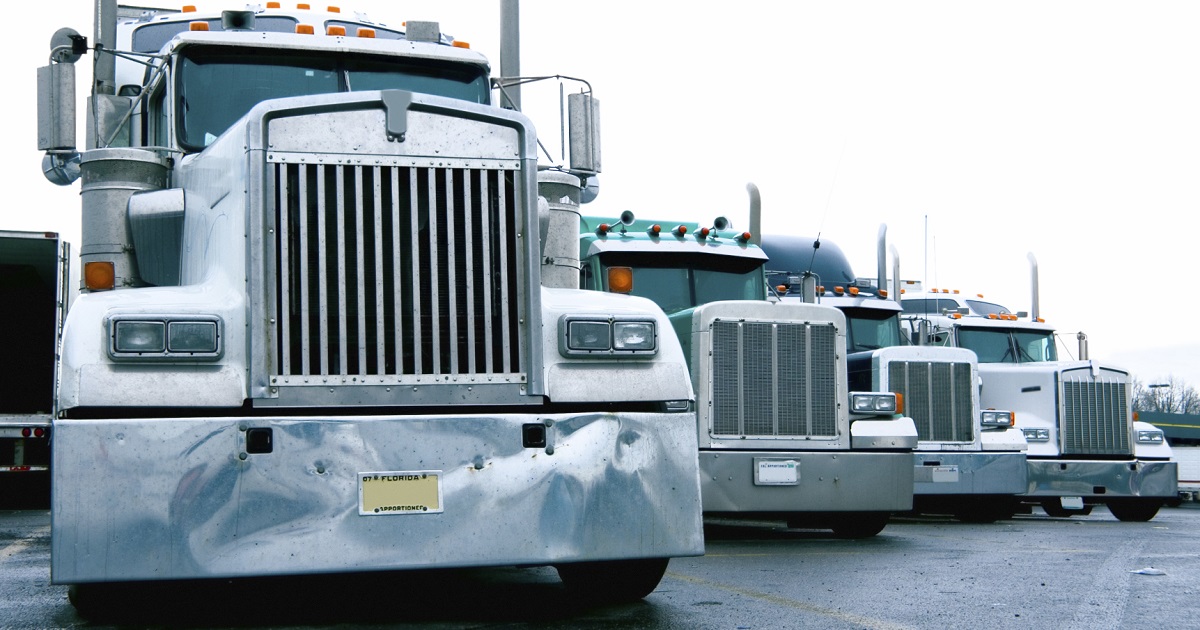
[(259, 440), (533, 435)]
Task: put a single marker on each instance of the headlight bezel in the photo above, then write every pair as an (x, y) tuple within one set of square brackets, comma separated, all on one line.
[(997, 419), (627, 336), (1036, 434), (874, 403), (165, 337), (1151, 436)]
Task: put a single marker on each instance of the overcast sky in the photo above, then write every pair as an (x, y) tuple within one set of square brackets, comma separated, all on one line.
[(977, 131)]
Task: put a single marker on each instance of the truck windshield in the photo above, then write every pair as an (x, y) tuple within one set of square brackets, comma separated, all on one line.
[(680, 281), (217, 87), (872, 329), (1008, 346)]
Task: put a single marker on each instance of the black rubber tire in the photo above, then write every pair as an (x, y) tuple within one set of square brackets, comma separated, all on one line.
[(613, 581), (860, 524), (1134, 510)]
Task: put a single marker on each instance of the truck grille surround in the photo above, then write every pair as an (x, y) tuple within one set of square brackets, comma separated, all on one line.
[(1095, 413), (395, 270), (774, 379), (937, 396)]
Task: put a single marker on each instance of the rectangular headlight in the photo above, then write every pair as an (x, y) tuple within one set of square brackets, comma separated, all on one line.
[(588, 336), (192, 337), (636, 336), (1036, 435), (993, 418), (873, 402), (1150, 437), (139, 337)]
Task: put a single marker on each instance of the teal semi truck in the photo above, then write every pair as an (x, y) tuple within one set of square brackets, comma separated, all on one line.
[(781, 433)]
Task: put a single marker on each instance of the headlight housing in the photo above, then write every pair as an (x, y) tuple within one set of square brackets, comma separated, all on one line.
[(583, 335), (1150, 436), (165, 337), (874, 403), (993, 419), (1036, 435)]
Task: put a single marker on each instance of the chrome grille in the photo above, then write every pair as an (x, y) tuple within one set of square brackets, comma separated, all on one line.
[(1095, 414), (395, 270), (774, 379), (937, 396)]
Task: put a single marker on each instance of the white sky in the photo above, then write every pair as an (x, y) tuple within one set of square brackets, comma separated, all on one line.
[(977, 131)]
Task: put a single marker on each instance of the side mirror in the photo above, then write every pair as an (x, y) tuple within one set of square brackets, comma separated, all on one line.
[(583, 112)]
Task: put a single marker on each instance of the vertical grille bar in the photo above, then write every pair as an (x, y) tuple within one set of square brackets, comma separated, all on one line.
[(397, 292), (468, 212), (284, 320), (305, 341), (488, 282), (451, 275), (380, 330), (360, 281), (323, 337), (435, 302), (415, 247)]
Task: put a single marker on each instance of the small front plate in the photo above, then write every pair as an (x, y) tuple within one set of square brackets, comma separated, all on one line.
[(1071, 503), (400, 492), (776, 472), (945, 474)]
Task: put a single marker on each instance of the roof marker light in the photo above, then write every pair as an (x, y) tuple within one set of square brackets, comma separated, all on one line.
[(603, 229), (956, 292), (679, 230), (1040, 320), (188, 8), (654, 230), (703, 233), (992, 316), (978, 295), (781, 288), (305, 29), (744, 237), (273, 5), (335, 30), (197, 26), (883, 293), (366, 33), (839, 291), (333, 9), (303, 6), (460, 44), (853, 290), (820, 289), (955, 315)]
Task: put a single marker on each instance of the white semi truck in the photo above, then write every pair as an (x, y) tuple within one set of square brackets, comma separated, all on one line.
[(969, 461), (33, 301), (781, 433), (1085, 447), (314, 335)]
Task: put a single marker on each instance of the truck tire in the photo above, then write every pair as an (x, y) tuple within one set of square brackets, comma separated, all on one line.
[(860, 524), (614, 581), (1134, 510)]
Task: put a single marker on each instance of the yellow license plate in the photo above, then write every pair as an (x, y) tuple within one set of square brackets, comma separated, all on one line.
[(400, 492)]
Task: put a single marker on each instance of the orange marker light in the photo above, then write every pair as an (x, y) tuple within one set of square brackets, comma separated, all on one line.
[(188, 8), (335, 30), (679, 230), (333, 9), (884, 293), (654, 230), (273, 5), (460, 44), (853, 290), (99, 276), (367, 33), (603, 229), (839, 291), (303, 6), (620, 279), (703, 233), (197, 26), (783, 288), (899, 403), (744, 237), (305, 29)]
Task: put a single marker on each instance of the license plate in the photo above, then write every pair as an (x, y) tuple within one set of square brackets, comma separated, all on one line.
[(945, 474), (776, 472), (400, 492), (1071, 503)]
